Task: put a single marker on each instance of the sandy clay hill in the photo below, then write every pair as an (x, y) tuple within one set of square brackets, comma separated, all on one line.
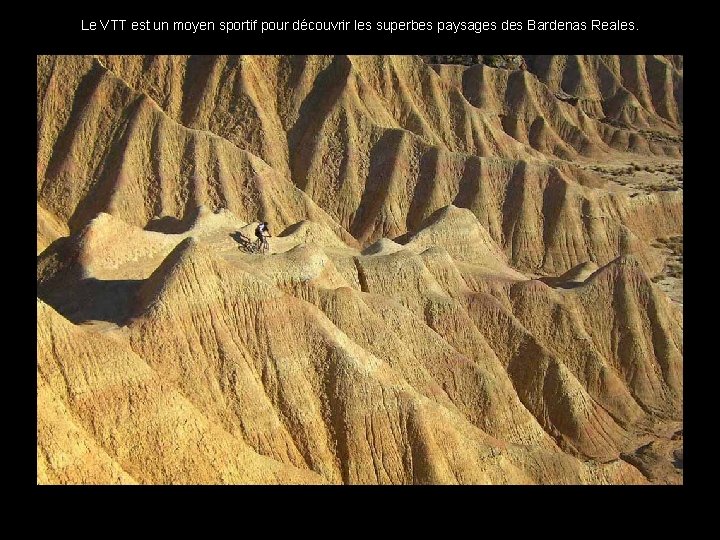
[(475, 275)]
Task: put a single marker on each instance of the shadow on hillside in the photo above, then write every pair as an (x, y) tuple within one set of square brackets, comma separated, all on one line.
[(62, 285), (242, 240), (558, 283), (291, 229), (167, 225), (91, 299)]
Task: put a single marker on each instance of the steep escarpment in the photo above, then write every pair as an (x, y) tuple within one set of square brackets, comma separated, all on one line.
[(373, 145), (460, 287), (405, 367), (638, 90), (124, 423), (548, 118), (115, 151)]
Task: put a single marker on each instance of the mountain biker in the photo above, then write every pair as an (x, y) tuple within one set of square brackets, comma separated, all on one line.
[(260, 231)]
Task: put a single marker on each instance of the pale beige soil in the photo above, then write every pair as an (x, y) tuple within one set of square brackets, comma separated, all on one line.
[(475, 273)]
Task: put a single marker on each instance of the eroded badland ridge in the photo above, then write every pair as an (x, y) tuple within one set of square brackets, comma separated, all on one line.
[(476, 273)]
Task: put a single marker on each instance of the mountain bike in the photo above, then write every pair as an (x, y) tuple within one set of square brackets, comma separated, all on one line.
[(260, 245)]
